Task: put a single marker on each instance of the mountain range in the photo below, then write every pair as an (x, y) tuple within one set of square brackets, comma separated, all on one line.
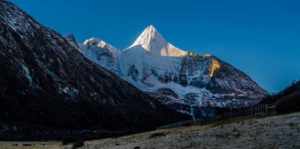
[(53, 86), (185, 81)]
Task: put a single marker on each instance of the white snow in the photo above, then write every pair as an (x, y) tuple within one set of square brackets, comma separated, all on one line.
[(152, 41), (101, 53), (27, 73), (146, 62), (101, 44), (151, 58)]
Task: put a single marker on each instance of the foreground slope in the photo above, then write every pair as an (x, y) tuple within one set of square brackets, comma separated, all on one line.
[(46, 82), (277, 132)]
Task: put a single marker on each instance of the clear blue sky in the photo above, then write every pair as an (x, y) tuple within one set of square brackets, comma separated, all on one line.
[(260, 37)]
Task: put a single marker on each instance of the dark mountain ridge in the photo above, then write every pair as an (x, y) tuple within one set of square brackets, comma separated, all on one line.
[(286, 101), (45, 81)]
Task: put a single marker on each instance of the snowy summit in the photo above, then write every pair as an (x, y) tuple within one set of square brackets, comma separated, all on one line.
[(152, 41), (181, 80)]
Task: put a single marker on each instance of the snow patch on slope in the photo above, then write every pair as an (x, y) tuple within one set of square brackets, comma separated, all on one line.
[(99, 43), (101, 53)]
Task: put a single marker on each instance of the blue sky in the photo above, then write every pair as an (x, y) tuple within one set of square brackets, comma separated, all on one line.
[(262, 38)]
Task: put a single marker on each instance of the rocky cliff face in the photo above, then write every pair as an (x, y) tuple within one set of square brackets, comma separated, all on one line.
[(46, 81)]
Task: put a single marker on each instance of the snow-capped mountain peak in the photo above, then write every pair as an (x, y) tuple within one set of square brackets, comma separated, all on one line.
[(101, 53), (150, 38), (157, 67), (152, 41), (99, 43)]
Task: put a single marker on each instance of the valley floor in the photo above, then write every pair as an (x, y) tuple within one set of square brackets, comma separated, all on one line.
[(276, 132)]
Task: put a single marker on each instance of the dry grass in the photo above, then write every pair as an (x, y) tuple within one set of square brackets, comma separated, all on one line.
[(31, 145), (276, 132)]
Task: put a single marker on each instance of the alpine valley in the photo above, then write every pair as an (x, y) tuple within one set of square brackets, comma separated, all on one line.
[(187, 82), (60, 93), (53, 87)]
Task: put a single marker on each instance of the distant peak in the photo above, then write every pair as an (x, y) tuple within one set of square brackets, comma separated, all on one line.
[(151, 40), (98, 43), (151, 28)]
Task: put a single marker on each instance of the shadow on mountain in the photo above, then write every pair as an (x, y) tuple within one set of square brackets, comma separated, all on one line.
[(286, 101)]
